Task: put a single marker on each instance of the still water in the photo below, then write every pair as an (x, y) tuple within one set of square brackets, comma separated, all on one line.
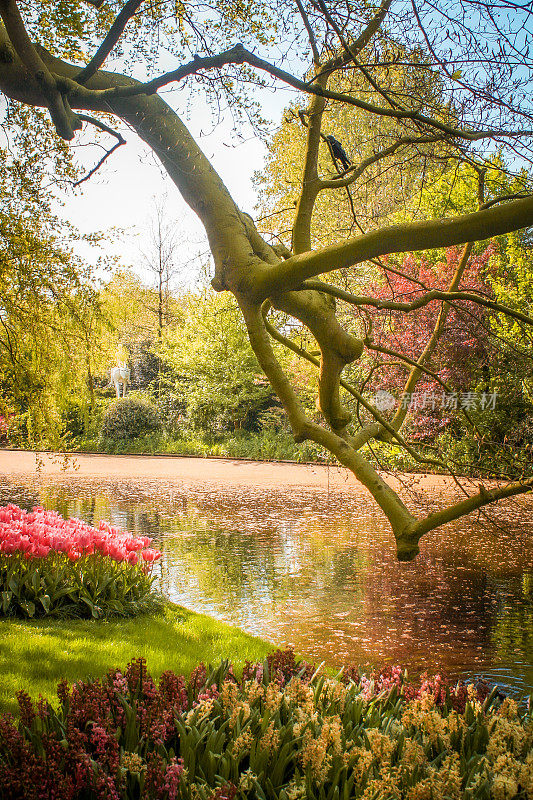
[(318, 570)]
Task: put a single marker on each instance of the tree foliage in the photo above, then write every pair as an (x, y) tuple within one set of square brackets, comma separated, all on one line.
[(217, 376), (47, 297)]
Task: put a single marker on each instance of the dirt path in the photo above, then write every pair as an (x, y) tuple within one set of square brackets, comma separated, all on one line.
[(228, 472)]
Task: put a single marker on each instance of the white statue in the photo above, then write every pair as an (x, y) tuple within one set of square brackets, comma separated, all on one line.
[(120, 377)]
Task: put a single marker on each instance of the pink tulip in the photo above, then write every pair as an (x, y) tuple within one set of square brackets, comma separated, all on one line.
[(151, 555), (84, 539), (24, 544), (39, 532)]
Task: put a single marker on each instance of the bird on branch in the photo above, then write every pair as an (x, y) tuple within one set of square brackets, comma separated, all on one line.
[(338, 152)]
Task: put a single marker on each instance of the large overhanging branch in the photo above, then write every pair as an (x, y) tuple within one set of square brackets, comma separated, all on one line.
[(401, 520), (64, 119), (240, 55), (168, 137), (430, 296), (408, 237)]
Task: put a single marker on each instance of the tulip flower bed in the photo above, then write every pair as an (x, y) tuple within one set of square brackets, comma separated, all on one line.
[(53, 566), (279, 732)]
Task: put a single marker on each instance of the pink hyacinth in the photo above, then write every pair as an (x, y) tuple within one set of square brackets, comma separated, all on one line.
[(173, 775), (38, 533)]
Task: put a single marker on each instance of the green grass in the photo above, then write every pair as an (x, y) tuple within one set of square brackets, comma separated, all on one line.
[(265, 446), (36, 654)]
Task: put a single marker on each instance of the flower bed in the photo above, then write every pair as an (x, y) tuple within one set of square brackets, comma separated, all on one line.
[(49, 565), (279, 733)]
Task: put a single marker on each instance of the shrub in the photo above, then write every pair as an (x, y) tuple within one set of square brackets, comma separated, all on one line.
[(149, 443), (130, 417), (281, 732), (79, 420), (52, 566), (74, 417), (5, 424)]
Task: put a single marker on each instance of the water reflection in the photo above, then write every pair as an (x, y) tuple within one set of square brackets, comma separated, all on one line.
[(319, 571)]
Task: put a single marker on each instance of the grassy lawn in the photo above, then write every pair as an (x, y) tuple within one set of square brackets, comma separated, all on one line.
[(36, 654)]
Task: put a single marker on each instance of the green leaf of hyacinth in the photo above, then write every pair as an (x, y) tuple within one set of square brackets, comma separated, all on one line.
[(6, 601), (28, 607)]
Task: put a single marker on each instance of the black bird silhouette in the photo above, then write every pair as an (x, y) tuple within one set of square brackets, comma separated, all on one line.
[(338, 152)]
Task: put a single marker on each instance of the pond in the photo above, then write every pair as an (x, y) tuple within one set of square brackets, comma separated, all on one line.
[(318, 570)]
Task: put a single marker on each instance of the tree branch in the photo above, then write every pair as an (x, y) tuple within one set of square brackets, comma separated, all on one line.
[(103, 127), (401, 520), (483, 498), (380, 419), (112, 37), (352, 53), (355, 172), (310, 33), (65, 121), (476, 226), (362, 40), (301, 232), (429, 297), (239, 55)]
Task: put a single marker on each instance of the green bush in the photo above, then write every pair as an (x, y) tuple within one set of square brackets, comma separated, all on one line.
[(74, 417), (129, 417), (79, 420)]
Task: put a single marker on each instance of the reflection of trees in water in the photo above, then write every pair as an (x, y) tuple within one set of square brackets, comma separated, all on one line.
[(272, 567), (434, 611), (24, 495), (512, 633)]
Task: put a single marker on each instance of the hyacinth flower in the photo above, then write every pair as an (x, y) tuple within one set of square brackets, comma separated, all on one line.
[(280, 730), (49, 564)]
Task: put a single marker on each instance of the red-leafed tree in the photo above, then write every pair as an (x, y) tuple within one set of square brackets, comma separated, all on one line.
[(462, 353)]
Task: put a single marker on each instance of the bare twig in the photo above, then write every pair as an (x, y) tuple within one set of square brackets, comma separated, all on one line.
[(103, 127), (310, 32)]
